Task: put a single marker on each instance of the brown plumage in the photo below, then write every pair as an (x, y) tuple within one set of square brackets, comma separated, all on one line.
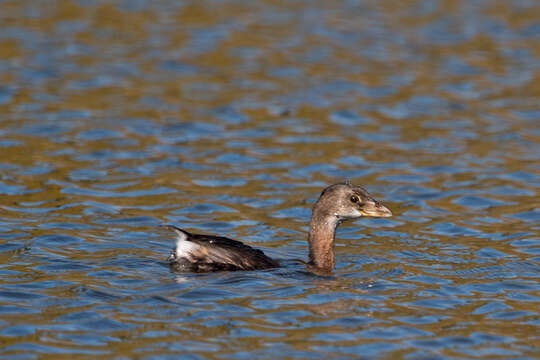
[(215, 253), (338, 202)]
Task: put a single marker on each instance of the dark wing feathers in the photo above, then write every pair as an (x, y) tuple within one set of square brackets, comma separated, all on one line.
[(228, 251), (221, 253)]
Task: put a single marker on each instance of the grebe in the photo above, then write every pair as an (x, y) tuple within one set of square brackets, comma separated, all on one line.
[(337, 203)]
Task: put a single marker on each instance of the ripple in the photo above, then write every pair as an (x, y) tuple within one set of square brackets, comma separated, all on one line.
[(478, 202), (229, 118)]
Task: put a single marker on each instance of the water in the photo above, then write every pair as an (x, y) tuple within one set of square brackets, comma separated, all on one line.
[(229, 117)]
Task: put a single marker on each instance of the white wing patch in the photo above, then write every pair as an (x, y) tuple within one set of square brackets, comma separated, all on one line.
[(184, 248)]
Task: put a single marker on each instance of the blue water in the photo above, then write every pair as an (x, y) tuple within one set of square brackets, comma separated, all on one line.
[(227, 117)]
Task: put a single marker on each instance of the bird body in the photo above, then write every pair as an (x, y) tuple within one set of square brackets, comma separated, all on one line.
[(337, 203)]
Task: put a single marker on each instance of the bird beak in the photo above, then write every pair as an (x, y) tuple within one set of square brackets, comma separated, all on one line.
[(374, 208)]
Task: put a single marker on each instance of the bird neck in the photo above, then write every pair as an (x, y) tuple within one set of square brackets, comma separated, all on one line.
[(322, 231)]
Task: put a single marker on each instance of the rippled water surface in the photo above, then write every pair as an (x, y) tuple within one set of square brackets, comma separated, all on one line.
[(229, 117)]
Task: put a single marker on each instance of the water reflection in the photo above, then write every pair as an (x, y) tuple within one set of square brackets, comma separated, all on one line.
[(229, 117)]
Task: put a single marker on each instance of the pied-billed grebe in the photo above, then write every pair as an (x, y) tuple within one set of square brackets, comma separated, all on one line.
[(338, 202)]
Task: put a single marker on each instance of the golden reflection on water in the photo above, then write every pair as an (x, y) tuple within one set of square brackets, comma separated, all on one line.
[(116, 117)]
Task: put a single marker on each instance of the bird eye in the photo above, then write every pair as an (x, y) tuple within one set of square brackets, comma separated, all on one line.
[(354, 199)]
